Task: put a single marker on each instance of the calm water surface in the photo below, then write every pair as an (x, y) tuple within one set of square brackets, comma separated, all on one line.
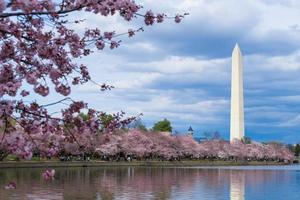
[(225, 183)]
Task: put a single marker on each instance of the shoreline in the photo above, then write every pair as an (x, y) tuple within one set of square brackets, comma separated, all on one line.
[(201, 163)]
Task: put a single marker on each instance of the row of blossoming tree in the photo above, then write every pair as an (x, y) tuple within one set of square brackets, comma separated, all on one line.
[(142, 145), (155, 145)]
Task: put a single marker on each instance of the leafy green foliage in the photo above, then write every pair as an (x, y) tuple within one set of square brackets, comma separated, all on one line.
[(164, 125), (246, 140), (142, 127), (84, 116), (297, 150), (137, 124), (106, 120)]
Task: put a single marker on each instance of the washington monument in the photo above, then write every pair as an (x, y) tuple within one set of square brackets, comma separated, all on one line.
[(237, 96)]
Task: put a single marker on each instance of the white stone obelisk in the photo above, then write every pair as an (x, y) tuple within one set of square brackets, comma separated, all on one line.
[(237, 96)]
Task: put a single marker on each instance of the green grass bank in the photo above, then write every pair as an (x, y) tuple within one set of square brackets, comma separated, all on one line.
[(49, 164)]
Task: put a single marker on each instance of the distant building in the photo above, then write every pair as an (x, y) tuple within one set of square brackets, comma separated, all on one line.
[(198, 139), (190, 131)]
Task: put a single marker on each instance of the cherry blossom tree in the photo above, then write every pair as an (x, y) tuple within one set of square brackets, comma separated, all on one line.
[(38, 48), (158, 146), (136, 144)]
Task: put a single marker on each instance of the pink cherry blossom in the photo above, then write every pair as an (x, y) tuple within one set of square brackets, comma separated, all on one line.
[(48, 175), (149, 18), (178, 18), (10, 185), (2, 6)]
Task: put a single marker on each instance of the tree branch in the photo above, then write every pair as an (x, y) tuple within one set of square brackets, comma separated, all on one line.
[(5, 128), (59, 12), (24, 37), (60, 101)]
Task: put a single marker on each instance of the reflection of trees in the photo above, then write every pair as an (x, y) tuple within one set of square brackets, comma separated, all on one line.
[(26, 180), (111, 183), (135, 183), (104, 183)]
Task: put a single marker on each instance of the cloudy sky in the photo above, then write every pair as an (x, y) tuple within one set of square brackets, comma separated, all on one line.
[(182, 71)]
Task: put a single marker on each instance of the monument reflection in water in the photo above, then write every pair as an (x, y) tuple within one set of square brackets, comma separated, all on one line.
[(237, 185), (151, 183)]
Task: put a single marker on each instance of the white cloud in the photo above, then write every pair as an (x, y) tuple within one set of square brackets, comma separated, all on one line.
[(285, 63), (145, 47), (290, 98), (155, 77), (136, 80), (180, 65), (164, 106), (293, 122)]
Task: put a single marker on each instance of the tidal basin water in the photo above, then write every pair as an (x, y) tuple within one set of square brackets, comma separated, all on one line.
[(220, 183)]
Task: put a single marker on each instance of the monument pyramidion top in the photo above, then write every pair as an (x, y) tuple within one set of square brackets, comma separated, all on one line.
[(236, 49)]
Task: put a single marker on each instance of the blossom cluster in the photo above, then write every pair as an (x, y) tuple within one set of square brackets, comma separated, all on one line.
[(48, 136), (39, 45), (39, 48), (48, 174)]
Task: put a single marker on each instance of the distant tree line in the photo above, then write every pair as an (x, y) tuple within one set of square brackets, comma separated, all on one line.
[(295, 149)]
